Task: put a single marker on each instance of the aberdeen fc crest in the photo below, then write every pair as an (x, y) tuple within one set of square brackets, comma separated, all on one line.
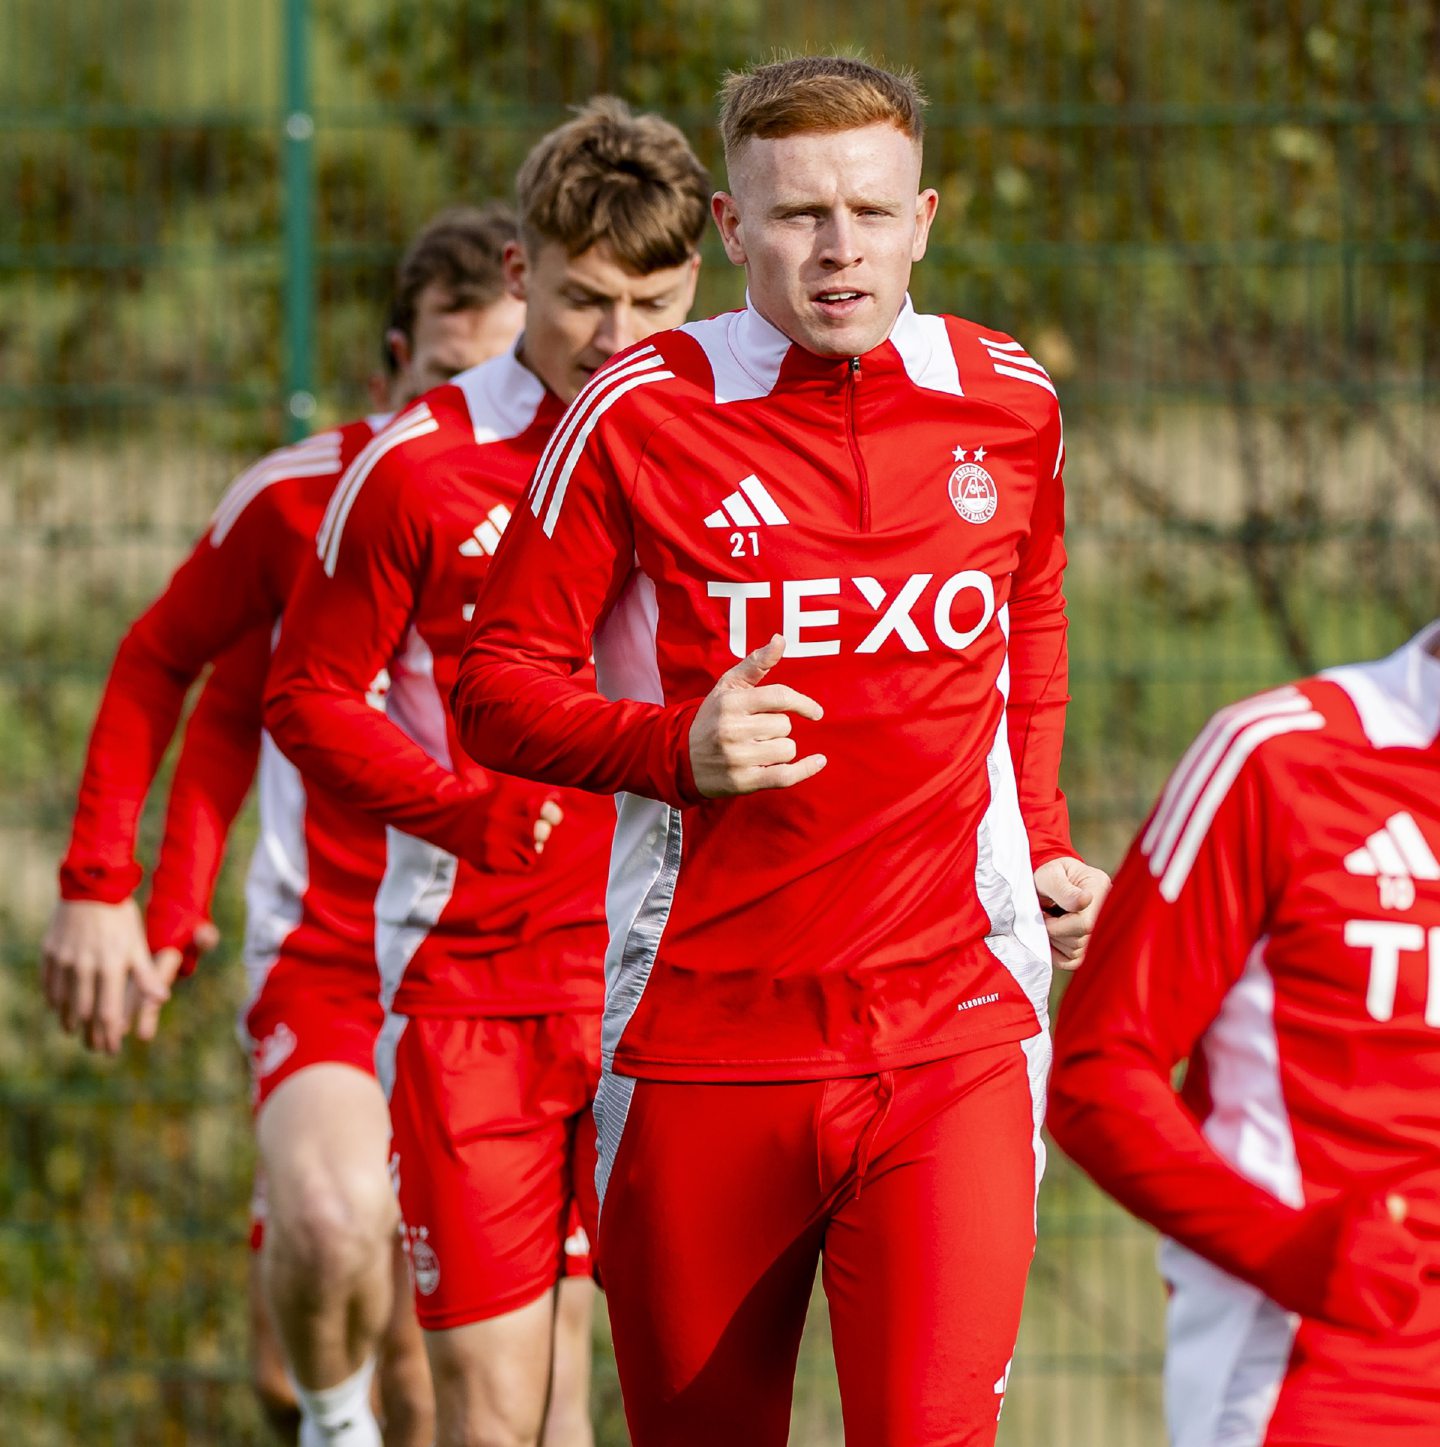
[(972, 489), (424, 1263)]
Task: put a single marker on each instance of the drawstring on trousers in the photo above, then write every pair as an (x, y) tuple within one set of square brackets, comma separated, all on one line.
[(886, 1084)]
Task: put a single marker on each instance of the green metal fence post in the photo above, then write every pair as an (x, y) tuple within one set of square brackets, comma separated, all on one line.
[(299, 207)]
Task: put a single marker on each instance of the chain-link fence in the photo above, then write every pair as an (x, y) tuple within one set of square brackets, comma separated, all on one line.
[(1217, 224)]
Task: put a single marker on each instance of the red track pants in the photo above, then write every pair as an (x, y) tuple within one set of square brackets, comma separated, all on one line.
[(916, 1186)]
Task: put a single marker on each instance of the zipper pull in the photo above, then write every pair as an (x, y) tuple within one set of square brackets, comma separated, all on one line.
[(855, 369)]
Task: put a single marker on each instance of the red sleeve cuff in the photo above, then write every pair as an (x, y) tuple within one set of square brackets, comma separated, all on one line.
[(103, 883), (1048, 831), (683, 720), (172, 927)]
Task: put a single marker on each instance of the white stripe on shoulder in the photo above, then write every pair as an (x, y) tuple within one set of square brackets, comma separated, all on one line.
[(1019, 359), (313, 458), (644, 360), (1177, 871), (1199, 761), (577, 448), (1021, 375), (418, 422), (1204, 778), (361, 459), (1010, 359)]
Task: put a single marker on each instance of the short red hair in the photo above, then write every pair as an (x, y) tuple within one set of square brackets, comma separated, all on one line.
[(817, 93)]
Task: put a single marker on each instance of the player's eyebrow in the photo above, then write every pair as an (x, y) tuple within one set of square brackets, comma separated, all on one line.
[(782, 209)]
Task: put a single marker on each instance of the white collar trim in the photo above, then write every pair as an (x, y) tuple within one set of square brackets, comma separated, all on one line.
[(1397, 697)]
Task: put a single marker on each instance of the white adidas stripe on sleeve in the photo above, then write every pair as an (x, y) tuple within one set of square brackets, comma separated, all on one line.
[(1177, 870), (577, 447), (418, 423), (313, 458), (575, 415), (1200, 759), (1019, 359), (1201, 783), (1038, 378), (1011, 360)]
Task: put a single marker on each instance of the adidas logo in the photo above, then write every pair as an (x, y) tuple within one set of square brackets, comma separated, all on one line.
[(747, 507), (1398, 850), (486, 538)]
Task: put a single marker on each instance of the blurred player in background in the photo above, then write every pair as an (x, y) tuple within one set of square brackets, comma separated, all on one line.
[(329, 1242), (1277, 924), (490, 951), (826, 991)]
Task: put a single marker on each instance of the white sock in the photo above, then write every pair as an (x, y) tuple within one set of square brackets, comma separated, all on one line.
[(339, 1416)]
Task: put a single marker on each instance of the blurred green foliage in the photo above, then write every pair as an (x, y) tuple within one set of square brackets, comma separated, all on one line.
[(1217, 224)]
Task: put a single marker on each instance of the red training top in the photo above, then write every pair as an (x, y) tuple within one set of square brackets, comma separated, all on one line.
[(468, 921), (1277, 923), (222, 604), (898, 516)]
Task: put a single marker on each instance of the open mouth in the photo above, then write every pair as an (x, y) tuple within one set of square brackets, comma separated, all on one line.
[(839, 301)]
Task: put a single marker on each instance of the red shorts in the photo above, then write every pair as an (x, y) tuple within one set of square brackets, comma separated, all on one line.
[(494, 1151), (312, 1006), (916, 1186)]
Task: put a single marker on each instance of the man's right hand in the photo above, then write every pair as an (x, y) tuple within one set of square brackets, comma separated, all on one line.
[(740, 741), (98, 972)]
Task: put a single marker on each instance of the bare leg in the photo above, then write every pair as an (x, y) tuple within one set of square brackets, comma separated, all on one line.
[(268, 1377), (407, 1399), (326, 1257), (492, 1378), (567, 1423)]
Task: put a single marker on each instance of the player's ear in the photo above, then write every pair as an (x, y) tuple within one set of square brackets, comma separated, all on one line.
[(727, 222), (925, 207), (401, 351), (515, 269)]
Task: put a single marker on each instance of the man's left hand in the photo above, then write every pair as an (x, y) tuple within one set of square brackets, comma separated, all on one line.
[(1076, 890)]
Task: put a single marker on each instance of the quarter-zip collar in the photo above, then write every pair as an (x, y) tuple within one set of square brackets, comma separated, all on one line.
[(764, 351), (1398, 697), (1422, 676)]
